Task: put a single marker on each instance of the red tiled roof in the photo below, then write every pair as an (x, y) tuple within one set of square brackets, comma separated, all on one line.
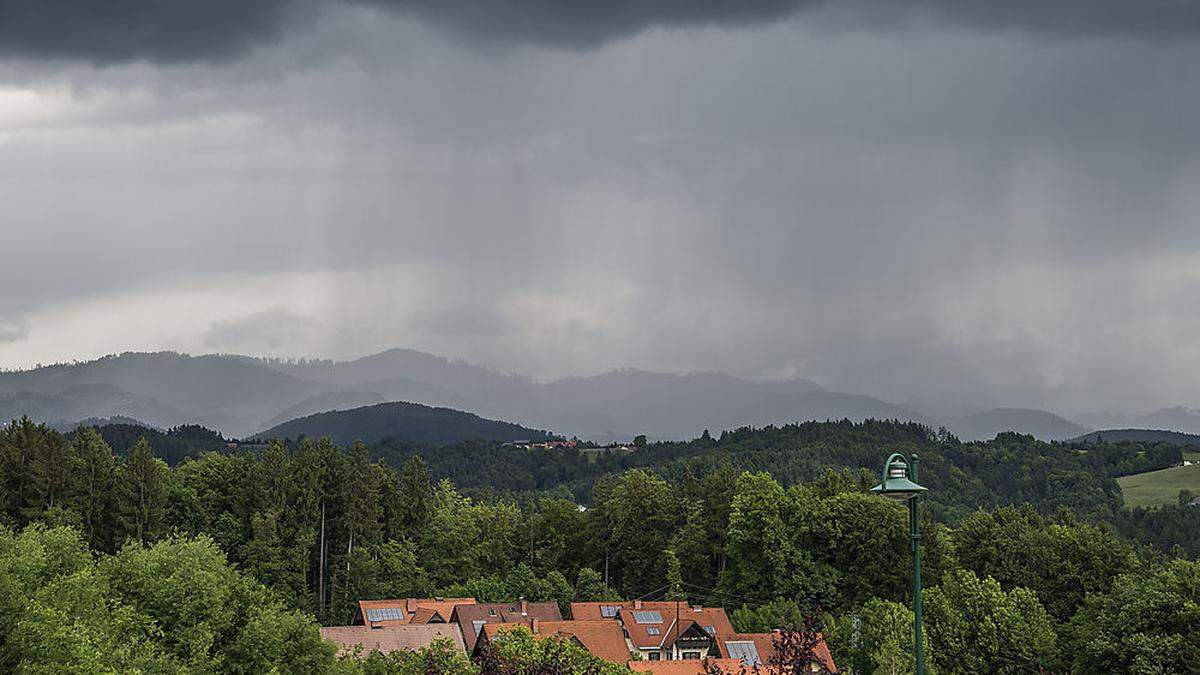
[(442, 607), (603, 639), (390, 639), (466, 615), (705, 616), (765, 644)]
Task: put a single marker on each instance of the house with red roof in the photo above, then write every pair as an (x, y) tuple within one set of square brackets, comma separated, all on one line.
[(471, 618), (668, 634)]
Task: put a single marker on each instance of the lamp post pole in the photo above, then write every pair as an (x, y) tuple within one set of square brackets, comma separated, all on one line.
[(899, 482), (915, 534)]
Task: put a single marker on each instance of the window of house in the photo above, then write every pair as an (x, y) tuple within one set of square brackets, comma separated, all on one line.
[(609, 611), (653, 656), (691, 656), (652, 630)]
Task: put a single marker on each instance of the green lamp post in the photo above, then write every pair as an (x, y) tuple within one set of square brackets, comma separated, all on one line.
[(899, 483)]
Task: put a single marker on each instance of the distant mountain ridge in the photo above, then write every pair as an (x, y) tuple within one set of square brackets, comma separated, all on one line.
[(407, 422), (985, 425), (243, 396), (1140, 436), (1176, 418)]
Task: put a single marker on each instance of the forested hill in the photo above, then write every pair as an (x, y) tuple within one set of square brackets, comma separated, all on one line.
[(1141, 436), (403, 423), (962, 476), (172, 445)]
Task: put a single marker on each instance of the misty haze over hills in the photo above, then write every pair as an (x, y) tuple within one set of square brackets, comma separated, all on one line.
[(241, 396)]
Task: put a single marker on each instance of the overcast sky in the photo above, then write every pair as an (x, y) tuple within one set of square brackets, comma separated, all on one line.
[(958, 201)]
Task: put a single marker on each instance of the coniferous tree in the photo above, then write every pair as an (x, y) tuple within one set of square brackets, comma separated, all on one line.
[(93, 487), (48, 471), (302, 517), (414, 495), (19, 442), (143, 493)]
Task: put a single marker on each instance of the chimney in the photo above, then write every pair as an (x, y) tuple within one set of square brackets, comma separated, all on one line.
[(411, 605), (524, 606), (533, 626), (637, 604)]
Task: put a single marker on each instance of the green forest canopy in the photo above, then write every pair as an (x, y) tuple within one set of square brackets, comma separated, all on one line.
[(1026, 536)]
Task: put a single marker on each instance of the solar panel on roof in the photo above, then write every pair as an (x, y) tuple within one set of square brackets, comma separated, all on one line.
[(609, 611), (746, 651), (385, 614), (647, 617)]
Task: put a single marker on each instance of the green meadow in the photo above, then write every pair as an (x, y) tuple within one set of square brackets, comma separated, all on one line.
[(1155, 488)]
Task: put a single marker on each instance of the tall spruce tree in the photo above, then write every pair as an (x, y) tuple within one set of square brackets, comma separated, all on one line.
[(415, 492), (93, 488), (48, 470), (143, 493)]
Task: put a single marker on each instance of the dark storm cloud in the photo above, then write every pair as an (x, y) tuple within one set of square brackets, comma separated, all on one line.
[(131, 30), (169, 31), (588, 23), (585, 23), (1146, 18)]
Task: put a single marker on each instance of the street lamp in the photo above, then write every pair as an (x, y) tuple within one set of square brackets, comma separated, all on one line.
[(899, 482)]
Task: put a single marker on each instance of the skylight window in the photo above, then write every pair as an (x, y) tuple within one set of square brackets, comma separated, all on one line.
[(647, 617), (609, 611), (746, 651), (385, 614), (652, 630)]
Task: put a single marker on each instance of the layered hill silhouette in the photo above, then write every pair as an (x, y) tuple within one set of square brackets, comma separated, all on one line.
[(1140, 436), (1177, 418), (405, 422), (1038, 423), (245, 396)]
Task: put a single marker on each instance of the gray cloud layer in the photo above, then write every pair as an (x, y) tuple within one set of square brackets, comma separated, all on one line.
[(168, 31), (941, 215)]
